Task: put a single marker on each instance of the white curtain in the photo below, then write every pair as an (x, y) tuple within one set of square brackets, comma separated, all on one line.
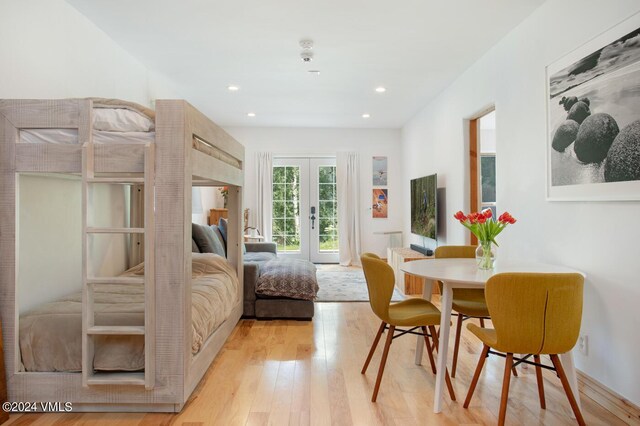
[(264, 193), (348, 182)]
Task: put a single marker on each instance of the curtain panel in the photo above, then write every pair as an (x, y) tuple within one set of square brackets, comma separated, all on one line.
[(264, 193), (348, 182)]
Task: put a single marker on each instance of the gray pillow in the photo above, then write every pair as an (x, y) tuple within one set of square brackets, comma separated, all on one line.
[(222, 226), (208, 240), (194, 246)]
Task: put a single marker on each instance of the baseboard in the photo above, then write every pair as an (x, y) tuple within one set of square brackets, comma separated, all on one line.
[(616, 404)]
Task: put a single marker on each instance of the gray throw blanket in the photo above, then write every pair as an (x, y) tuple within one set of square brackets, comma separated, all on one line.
[(292, 278)]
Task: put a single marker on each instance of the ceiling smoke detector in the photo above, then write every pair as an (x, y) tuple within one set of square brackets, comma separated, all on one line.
[(306, 56), (306, 44)]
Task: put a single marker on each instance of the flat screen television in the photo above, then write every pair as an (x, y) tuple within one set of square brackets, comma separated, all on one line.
[(424, 206)]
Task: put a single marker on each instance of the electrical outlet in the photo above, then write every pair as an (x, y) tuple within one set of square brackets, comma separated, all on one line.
[(583, 344)]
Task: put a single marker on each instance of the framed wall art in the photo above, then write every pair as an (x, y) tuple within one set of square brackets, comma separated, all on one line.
[(593, 119), (380, 203), (379, 171)]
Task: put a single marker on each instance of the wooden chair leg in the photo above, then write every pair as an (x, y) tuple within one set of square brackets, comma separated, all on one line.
[(482, 322), (383, 361), (374, 345), (476, 375), (567, 389), (429, 349), (505, 389), (543, 404), (456, 347), (447, 379)]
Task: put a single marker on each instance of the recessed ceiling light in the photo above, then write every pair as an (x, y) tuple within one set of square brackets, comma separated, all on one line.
[(251, 114), (315, 72), (366, 115), (381, 89), (233, 88)]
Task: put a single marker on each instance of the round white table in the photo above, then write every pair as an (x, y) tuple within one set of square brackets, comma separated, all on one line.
[(464, 273)]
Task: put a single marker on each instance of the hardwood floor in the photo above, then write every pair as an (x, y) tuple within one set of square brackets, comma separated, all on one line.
[(308, 373)]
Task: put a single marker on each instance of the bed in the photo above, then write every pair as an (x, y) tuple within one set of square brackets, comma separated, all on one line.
[(51, 334), (168, 151)]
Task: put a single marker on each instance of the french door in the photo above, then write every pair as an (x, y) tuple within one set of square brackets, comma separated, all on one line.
[(304, 208)]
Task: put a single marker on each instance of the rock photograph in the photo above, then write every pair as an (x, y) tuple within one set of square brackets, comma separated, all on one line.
[(594, 116)]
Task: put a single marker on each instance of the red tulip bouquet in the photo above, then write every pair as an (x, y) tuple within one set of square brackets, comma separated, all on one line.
[(486, 229)]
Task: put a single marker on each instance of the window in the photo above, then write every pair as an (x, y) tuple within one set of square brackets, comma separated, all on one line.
[(286, 208), (328, 212)]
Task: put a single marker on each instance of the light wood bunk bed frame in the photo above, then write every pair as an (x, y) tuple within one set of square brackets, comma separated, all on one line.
[(171, 371)]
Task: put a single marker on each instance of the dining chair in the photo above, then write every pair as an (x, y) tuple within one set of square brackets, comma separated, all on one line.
[(415, 313), (535, 314), (468, 303)]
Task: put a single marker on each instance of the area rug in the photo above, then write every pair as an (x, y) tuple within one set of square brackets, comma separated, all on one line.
[(341, 284)]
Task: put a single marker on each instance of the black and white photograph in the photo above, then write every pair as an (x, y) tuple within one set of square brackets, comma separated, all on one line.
[(594, 119), (380, 171)]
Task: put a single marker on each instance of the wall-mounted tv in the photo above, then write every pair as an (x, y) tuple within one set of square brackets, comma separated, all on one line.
[(424, 206)]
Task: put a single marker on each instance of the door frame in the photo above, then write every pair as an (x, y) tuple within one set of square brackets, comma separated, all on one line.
[(315, 255), (303, 164), (309, 240)]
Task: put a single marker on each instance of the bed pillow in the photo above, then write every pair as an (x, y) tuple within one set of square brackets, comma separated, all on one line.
[(220, 241), (207, 240), (194, 246), (120, 120), (222, 226)]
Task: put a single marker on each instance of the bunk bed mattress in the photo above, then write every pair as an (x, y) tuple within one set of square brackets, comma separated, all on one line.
[(70, 136), (51, 335), (101, 137)]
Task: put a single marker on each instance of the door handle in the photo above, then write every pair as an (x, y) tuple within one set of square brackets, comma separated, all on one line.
[(313, 217)]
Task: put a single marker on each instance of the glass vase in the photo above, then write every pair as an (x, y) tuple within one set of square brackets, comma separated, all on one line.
[(486, 255)]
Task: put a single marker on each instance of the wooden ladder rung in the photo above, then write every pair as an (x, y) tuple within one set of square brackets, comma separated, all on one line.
[(123, 180), (116, 378), (116, 330), (115, 280), (94, 230)]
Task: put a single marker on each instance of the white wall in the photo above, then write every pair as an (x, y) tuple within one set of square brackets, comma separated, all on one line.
[(210, 198), (50, 50), (49, 236), (309, 141), (600, 239)]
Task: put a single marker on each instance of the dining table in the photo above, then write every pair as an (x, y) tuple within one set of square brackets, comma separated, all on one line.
[(464, 273)]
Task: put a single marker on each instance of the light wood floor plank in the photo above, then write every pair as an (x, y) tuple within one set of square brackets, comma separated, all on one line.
[(308, 373)]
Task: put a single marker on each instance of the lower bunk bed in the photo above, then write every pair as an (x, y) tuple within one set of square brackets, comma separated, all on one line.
[(51, 334)]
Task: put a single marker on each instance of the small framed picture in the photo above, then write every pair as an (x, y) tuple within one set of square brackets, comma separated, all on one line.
[(379, 171), (380, 203)]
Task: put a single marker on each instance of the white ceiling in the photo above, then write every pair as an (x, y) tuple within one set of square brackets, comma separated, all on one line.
[(414, 48)]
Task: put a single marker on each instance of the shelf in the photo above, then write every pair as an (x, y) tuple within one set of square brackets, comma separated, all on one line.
[(123, 180), (93, 230), (116, 330), (115, 280), (117, 378)]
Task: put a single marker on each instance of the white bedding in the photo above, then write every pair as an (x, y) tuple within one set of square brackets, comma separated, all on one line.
[(70, 136)]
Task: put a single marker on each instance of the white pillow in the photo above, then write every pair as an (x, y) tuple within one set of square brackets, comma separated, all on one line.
[(120, 120)]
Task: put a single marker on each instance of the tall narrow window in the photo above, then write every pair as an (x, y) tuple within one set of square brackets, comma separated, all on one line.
[(328, 214), (286, 208), (482, 155)]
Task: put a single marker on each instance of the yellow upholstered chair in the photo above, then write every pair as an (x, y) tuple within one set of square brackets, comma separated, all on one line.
[(468, 303), (415, 313), (534, 314)]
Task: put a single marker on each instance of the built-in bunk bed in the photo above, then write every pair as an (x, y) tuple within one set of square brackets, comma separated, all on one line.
[(170, 314)]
